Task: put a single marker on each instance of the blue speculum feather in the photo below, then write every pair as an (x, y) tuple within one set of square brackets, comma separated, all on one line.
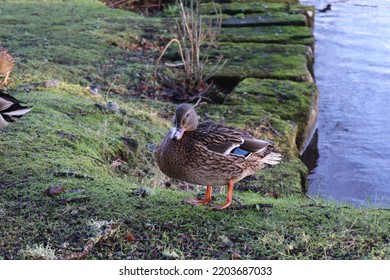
[(241, 152)]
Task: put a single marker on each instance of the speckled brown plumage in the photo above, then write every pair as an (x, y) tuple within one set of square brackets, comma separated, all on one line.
[(6, 65), (206, 153)]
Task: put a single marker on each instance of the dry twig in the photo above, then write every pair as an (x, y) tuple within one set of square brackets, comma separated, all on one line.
[(107, 232)]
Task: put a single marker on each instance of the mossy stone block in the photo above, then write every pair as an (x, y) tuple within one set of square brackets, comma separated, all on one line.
[(268, 34), (272, 61), (264, 20), (253, 7), (292, 101)]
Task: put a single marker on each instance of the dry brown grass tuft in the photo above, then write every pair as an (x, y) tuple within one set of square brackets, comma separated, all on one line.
[(195, 39)]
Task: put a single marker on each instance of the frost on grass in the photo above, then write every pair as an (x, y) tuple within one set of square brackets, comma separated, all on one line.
[(98, 226), (102, 230), (39, 252)]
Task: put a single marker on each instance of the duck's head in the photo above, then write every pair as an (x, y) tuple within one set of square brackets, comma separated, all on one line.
[(185, 119)]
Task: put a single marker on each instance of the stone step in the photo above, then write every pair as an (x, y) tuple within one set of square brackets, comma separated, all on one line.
[(253, 8), (268, 34), (265, 20), (260, 14), (271, 61), (250, 1), (291, 101)]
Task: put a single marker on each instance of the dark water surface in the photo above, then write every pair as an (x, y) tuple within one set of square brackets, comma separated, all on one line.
[(352, 68)]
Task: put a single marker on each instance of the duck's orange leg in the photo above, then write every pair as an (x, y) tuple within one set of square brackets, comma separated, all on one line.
[(229, 197), (206, 200), (5, 82)]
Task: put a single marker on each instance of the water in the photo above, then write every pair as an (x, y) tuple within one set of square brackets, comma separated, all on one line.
[(352, 68)]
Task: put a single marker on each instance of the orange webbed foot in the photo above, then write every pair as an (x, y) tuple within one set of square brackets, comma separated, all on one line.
[(221, 207), (196, 202), (229, 197)]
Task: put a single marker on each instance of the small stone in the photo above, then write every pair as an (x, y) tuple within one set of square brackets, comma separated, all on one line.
[(225, 240), (54, 190), (171, 254), (236, 256), (94, 91), (52, 84), (144, 192), (129, 237), (130, 143), (112, 106)]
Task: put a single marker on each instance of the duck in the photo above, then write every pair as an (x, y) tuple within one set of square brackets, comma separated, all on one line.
[(210, 154), (10, 109), (326, 9), (6, 65)]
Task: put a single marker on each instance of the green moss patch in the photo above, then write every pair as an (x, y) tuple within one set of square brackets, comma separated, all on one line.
[(296, 102), (242, 20), (268, 34), (273, 61), (253, 7), (78, 42)]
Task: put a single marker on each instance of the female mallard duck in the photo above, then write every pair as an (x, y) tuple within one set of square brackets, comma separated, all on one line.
[(210, 154), (6, 65), (10, 109)]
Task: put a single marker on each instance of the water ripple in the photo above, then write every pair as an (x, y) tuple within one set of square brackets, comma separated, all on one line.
[(352, 70)]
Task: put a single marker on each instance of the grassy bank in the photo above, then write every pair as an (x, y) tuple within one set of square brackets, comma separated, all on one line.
[(79, 181)]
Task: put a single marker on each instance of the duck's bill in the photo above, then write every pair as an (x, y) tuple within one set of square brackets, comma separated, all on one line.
[(177, 133)]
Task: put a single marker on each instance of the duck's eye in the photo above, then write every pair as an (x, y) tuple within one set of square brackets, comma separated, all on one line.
[(185, 117)]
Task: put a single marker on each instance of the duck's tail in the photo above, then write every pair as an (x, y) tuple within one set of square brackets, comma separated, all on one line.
[(272, 158)]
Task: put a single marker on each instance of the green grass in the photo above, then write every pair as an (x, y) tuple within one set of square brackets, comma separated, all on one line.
[(74, 41), (67, 133), (67, 141)]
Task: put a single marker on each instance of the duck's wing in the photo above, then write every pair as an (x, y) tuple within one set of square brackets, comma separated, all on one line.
[(255, 145), (5, 96), (224, 139), (219, 138), (17, 113), (10, 109), (5, 101)]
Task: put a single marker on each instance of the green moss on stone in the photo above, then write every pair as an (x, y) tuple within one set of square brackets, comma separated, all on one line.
[(268, 34), (279, 19), (290, 100), (271, 61), (253, 7)]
